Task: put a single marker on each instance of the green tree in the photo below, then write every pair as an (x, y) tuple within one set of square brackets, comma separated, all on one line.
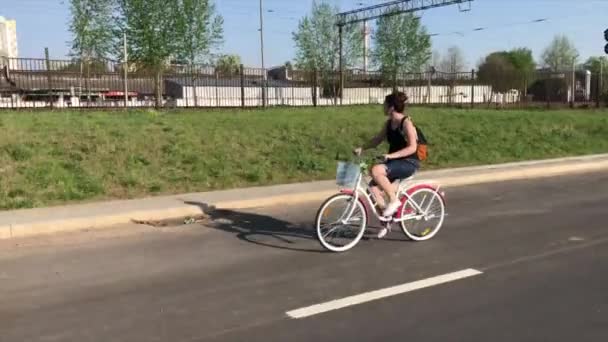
[(317, 42), (318, 46), (498, 71), (506, 70), (198, 30), (228, 65), (560, 55), (92, 36), (151, 27), (594, 64), (599, 67), (402, 45), (91, 28), (523, 61)]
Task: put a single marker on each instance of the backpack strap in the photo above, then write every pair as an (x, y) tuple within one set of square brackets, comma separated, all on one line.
[(419, 135), (401, 125)]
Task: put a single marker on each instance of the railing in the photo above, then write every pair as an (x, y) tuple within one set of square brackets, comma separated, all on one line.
[(34, 83)]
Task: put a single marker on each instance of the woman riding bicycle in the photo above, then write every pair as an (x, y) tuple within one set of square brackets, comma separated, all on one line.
[(401, 161)]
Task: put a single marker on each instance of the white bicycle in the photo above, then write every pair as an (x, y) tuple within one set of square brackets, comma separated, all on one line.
[(342, 219)]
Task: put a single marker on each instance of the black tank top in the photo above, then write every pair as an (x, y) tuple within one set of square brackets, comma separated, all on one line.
[(397, 139)]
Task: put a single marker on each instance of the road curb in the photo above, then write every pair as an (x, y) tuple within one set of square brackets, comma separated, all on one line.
[(51, 226), (532, 173), (26, 223), (454, 181)]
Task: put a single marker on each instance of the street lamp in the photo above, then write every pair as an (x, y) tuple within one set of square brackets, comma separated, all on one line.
[(573, 91), (262, 54), (366, 33)]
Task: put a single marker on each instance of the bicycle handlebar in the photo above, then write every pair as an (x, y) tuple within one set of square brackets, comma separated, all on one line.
[(360, 158)]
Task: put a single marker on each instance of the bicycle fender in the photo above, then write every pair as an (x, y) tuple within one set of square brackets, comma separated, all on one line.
[(413, 189)]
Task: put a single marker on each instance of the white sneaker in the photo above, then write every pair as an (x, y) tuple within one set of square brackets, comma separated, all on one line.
[(382, 233), (391, 209)]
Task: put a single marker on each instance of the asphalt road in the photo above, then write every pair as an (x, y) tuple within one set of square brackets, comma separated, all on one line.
[(541, 248)]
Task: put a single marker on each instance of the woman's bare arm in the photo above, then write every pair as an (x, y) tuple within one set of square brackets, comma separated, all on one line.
[(376, 140)]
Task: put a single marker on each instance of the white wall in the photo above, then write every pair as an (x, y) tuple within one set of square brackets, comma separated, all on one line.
[(16, 103), (231, 96)]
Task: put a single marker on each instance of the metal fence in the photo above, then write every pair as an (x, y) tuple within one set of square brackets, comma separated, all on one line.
[(43, 83)]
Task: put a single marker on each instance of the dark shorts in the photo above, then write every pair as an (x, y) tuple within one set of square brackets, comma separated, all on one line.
[(400, 169)]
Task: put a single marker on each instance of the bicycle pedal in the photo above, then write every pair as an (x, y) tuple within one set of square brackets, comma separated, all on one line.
[(385, 219)]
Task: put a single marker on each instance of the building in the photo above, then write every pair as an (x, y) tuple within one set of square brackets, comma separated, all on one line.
[(8, 38), (282, 73)]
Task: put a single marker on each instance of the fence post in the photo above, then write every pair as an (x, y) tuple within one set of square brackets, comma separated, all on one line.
[(600, 84), (126, 69), (87, 82), (341, 62), (597, 93), (369, 87), (472, 88), (547, 94), (314, 88), (525, 99), (264, 88), (242, 72), (573, 92), (217, 89), (49, 77), (429, 87)]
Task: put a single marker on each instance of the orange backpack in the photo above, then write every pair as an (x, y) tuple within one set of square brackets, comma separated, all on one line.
[(422, 150)]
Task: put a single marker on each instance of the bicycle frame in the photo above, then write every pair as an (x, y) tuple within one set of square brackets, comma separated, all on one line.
[(360, 193)]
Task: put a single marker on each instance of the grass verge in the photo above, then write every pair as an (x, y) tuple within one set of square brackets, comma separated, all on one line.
[(57, 157)]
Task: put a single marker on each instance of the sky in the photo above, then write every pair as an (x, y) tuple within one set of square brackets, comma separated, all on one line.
[(507, 24)]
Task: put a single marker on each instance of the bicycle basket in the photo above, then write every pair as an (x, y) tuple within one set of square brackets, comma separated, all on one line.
[(347, 174)]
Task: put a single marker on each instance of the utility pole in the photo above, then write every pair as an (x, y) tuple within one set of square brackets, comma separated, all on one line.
[(366, 33), (262, 53), (600, 85), (573, 93), (126, 69), (51, 95), (340, 33), (601, 75)]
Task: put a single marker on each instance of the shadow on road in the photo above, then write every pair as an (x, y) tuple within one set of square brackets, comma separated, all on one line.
[(262, 230)]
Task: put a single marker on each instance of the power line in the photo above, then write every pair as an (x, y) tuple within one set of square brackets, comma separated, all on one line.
[(537, 21), (486, 28)]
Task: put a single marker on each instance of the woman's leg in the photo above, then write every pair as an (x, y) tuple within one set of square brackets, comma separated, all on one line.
[(380, 176), (378, 196)]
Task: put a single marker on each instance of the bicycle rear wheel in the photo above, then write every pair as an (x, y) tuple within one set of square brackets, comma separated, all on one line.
[(335, 231), (424, 224)]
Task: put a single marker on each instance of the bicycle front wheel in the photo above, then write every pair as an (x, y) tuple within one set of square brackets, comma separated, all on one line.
[(340, 223), (423, 219)]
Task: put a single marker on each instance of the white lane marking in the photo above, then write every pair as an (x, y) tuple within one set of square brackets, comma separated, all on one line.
[(382, 293)]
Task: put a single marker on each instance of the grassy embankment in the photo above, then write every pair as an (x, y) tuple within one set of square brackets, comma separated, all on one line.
[(50, 158)]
